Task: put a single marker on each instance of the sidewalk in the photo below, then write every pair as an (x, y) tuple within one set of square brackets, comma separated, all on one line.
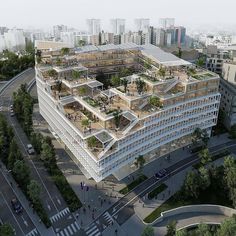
[(33, 216)]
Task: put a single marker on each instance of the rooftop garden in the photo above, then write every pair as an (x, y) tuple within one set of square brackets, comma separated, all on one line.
[(92, 102), (155, 101)]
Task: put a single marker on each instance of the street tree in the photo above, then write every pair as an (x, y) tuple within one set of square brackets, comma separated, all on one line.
[(139, 163), (148, 231), (204, 178), (33, 190), (191, 184), (6, 230), (21, 172), (205, 156), (171, 228)]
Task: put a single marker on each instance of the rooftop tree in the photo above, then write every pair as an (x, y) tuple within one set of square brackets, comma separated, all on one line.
[(140, 84)]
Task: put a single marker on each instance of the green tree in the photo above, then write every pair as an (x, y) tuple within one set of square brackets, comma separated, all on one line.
[(33, 190), (140, 84), (180, 52), (92, 141), (115, 80), (65, 51), (227, 228), (155, 101), (205, 156), (182, 232), (14, 154), (117, 118), (162, 72), (52, 73), (82, 91), (6, 230), (204, 178), (200, 62), (203, 230), (148, 231), (171, 228), (196, 136), (191, 184), (21, 173), (85, 123), (76, 74), (125, 84)]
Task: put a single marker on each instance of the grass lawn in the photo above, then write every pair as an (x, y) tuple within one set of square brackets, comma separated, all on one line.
[(214, 194), (133, 184), (157, 190)]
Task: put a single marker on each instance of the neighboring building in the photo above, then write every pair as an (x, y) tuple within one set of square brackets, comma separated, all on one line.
[(106, 130), (14, 40), (180, 35), (166, 22), (142, 24), (68, 38), (107, 38), (3, 30), (94, 26), (57, 29), (94, 40), (118, 26)]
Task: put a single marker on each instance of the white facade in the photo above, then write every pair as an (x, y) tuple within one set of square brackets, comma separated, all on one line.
[(14, 39), (142, 24), (68, 38), (166, 22), (118, 26), (94, 26), (195, 107)]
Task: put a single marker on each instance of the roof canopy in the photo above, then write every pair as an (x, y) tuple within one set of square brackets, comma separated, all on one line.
[(94, 84), (103, 137)]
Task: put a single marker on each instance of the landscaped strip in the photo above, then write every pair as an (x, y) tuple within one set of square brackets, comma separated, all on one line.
[(214, 157), (133, 184), (43, 146), (11, 156), (157, 190)]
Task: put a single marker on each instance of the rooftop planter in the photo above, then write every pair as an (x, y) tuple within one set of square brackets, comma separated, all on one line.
[(91, 102)]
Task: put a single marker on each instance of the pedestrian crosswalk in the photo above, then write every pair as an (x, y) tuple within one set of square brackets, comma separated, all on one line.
[(93, 230), (107, 217), (69, 230), (59, 215), (33, 232)]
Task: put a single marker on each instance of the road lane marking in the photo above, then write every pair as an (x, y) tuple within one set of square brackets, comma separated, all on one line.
[(12, 213)]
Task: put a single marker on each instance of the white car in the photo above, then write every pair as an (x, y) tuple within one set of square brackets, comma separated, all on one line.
[(30, 149)]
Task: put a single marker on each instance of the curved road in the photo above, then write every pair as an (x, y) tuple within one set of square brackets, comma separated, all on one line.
[(63, 221)]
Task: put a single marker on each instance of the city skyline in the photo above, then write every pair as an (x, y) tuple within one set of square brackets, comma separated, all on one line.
[(76, 13)]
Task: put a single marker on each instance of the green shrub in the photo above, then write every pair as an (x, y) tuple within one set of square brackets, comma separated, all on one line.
[(157, 190)]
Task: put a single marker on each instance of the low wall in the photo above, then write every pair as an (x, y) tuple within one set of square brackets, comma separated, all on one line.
[(203, 208)]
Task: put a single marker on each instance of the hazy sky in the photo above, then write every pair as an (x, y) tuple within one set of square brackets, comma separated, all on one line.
[(45, 13)]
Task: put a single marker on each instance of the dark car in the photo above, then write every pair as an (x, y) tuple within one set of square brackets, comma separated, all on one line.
[(161, 173), (16, 205)]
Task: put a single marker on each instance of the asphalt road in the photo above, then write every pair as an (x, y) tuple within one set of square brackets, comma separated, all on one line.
[(63, 221), (21, 223), (122, 210)]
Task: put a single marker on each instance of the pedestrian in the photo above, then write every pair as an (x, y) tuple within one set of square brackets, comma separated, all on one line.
[(89, 207), (77, 215), (11, 184), (81, 223), (143, 204)]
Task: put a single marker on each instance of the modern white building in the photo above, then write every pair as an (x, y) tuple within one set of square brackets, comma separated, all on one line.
[(118, 26), (57, 29), (142, 24), (68, 38), (150, 113), (94, 26)]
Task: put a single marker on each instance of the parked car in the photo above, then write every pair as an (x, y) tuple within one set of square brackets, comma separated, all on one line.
[(30, 149), (12, 113), (16, 206)]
